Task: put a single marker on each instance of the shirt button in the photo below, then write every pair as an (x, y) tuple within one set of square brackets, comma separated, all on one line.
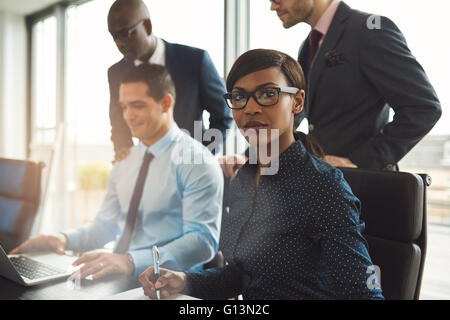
[(311, 127)]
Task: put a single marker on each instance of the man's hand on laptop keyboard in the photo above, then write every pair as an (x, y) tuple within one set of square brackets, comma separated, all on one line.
[(55, 243), (100, 264)]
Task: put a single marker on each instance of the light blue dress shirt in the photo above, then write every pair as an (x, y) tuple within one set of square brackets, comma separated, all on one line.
[(180, 209)]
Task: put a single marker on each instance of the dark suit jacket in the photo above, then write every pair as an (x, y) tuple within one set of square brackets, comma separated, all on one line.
[(198, 87), (357, 74)]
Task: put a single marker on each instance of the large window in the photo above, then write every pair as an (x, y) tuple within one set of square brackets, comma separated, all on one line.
[(44, 81), (183, 26), (44, 111), (198, 23), (90, 51)]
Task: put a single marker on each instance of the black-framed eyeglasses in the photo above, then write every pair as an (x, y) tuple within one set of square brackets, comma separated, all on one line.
[(265, 97), (125, 34)]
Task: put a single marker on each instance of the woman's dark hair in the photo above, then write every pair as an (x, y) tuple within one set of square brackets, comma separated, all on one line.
[(260, 59), (311, 144)]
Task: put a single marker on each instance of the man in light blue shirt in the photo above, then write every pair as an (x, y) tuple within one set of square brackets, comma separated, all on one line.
[(181, 204)]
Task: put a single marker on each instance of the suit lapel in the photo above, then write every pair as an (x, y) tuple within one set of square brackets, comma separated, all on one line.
[(303, 51), (302, 56), (332, 38), (169, 57)]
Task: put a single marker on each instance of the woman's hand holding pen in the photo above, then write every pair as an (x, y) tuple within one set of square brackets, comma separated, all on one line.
[(169, 282)]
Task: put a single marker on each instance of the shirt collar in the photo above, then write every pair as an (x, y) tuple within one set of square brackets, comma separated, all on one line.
[(162, 144), (158, 57), (324, 22), (295, 155)]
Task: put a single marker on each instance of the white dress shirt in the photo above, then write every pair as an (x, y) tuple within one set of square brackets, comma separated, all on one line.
[(158, 57)]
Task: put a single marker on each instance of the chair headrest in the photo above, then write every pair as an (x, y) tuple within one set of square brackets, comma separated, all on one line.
[(20, 179), (392, 202)]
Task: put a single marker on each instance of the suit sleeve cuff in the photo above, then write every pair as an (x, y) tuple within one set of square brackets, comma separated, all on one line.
[(365, 157)]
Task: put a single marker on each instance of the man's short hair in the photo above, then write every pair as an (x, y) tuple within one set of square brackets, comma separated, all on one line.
[(157, 78)]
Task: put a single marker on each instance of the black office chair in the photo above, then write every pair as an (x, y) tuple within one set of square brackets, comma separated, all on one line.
[(394, 210), (20, 192)]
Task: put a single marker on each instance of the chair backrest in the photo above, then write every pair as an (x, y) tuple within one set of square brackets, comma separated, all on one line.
[(394, 211), (20, 192)]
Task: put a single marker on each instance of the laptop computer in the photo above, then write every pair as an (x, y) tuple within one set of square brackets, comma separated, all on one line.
[(35, 268)]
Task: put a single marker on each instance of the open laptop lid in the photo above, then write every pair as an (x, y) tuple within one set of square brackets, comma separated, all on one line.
[(62, 262), (7, 269)]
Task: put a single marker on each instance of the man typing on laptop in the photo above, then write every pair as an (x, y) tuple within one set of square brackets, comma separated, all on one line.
[(151, 199)]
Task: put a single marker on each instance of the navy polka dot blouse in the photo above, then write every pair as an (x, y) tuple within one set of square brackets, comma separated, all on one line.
[(296, 236)]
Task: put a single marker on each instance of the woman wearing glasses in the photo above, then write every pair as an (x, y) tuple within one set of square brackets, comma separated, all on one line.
[(295, 234)]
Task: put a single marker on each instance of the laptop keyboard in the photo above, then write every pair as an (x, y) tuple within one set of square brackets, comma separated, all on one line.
[(32, 269)]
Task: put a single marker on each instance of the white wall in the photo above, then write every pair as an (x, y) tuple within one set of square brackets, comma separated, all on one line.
[(13, 53)]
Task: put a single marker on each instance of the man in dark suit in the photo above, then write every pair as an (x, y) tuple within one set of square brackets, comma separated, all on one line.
[(198, 85), (357, 67)]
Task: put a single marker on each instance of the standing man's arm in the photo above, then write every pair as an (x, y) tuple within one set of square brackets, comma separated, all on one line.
[(401, 81), (211, 96), (120, 133)]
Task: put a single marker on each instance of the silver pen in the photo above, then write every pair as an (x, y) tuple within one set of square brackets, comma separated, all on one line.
[(156, 269)]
